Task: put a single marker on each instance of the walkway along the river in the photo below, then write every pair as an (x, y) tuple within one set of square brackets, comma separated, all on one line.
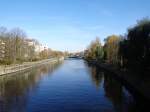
[(28, 65), (137, 85)]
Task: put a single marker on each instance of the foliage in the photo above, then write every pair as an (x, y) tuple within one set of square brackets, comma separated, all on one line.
[(111, 48), (95, 50), (17, 48), (135, 49)]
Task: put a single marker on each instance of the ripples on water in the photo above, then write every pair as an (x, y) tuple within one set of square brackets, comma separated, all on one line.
[(71, 86)]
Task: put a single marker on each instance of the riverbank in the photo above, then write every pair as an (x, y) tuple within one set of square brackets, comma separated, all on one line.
[(138, 85), (8, 69)]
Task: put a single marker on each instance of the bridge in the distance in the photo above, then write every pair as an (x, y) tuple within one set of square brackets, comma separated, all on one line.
[(78, 55)]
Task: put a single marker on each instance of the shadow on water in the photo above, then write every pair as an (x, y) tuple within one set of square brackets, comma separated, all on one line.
[(121, 99), (14, 88)]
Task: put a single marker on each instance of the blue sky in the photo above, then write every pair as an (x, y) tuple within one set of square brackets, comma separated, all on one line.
[(72, 24)]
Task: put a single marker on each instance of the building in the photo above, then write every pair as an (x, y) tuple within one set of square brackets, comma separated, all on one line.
[(2, 50), (34, 48), (39, 48)]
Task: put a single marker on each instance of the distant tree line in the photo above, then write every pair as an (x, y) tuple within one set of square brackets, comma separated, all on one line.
[(129, 51), (16, 47)]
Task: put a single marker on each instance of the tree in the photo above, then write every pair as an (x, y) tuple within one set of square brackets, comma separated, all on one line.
[(111, 48), (18, 37), (135, 49), (95, 50)]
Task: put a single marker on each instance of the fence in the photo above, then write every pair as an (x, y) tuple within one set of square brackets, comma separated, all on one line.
[(27, 65)]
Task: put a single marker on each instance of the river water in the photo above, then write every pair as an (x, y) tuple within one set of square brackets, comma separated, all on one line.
[(69, 86)]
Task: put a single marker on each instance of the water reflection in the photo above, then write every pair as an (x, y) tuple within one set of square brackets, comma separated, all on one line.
[(120, 98), (74, 87), (14, 88), (96, 76), (114, 91)]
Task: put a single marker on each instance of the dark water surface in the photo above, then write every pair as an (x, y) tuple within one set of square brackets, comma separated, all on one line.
[(71, 86)]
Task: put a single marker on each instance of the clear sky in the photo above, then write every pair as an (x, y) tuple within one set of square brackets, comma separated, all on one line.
[(72, 24)]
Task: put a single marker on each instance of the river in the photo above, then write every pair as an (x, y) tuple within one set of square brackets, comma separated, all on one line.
[(69, 86)]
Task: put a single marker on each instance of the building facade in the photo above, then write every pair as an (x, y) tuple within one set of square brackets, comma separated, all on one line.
[(2, 50)]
